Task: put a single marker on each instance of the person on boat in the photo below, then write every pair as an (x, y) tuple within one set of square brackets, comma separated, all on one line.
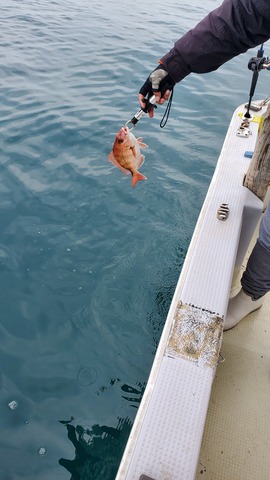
[(231, 29)]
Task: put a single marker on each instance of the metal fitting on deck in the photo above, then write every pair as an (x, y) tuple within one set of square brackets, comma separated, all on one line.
[(223, 211)]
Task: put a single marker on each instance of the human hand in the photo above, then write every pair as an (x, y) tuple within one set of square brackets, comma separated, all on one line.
[(160, 84)]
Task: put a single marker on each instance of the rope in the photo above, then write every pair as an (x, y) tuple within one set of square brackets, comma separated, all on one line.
[(167, 112)]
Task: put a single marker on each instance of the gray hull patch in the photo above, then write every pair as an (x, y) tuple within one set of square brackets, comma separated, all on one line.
[(196, 335)]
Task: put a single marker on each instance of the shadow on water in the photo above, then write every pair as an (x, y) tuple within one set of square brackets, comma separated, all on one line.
[(164, 289), (98, 449)]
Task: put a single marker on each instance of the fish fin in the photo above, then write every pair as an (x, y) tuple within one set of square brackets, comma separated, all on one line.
[(140, 142), (136, 177), (141, 161), (112, 159)]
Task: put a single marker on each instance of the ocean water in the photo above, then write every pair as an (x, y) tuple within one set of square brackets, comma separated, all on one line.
[(88, 265)]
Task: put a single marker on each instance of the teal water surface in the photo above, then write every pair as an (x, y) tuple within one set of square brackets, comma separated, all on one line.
[(88, 265)]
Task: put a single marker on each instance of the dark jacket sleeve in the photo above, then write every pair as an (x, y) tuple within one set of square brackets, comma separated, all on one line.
[(231, 29)]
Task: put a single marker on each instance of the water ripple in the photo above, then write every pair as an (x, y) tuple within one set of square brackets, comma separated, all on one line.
[(88, 265)]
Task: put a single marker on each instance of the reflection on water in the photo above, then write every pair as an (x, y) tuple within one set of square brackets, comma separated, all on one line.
[(99, 448)]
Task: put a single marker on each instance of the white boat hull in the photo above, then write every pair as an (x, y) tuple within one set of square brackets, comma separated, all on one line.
[(166, 438)]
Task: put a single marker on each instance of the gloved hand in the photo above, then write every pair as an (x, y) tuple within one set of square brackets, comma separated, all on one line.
[(158, 83)]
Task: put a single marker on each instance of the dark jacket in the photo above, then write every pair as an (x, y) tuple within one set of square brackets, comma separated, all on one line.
[(233, 28)]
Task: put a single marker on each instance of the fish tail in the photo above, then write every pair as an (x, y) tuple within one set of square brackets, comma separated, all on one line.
[(136, 177)]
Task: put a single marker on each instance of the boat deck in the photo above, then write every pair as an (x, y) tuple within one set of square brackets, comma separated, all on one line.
[(236, 441)]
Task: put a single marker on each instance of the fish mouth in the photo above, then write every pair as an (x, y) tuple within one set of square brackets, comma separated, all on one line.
[(122, 133)]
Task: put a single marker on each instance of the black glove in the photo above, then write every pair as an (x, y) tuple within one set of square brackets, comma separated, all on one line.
[(158, 81)]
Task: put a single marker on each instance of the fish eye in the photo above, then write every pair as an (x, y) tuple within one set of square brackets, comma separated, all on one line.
[(120, 141)]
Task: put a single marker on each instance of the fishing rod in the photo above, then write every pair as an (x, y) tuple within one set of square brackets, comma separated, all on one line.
[(256, 64)]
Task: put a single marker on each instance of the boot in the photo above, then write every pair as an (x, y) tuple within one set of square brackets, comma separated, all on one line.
[(240, 306)]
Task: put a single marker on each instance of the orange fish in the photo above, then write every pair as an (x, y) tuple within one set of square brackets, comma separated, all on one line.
[(126, 154)]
